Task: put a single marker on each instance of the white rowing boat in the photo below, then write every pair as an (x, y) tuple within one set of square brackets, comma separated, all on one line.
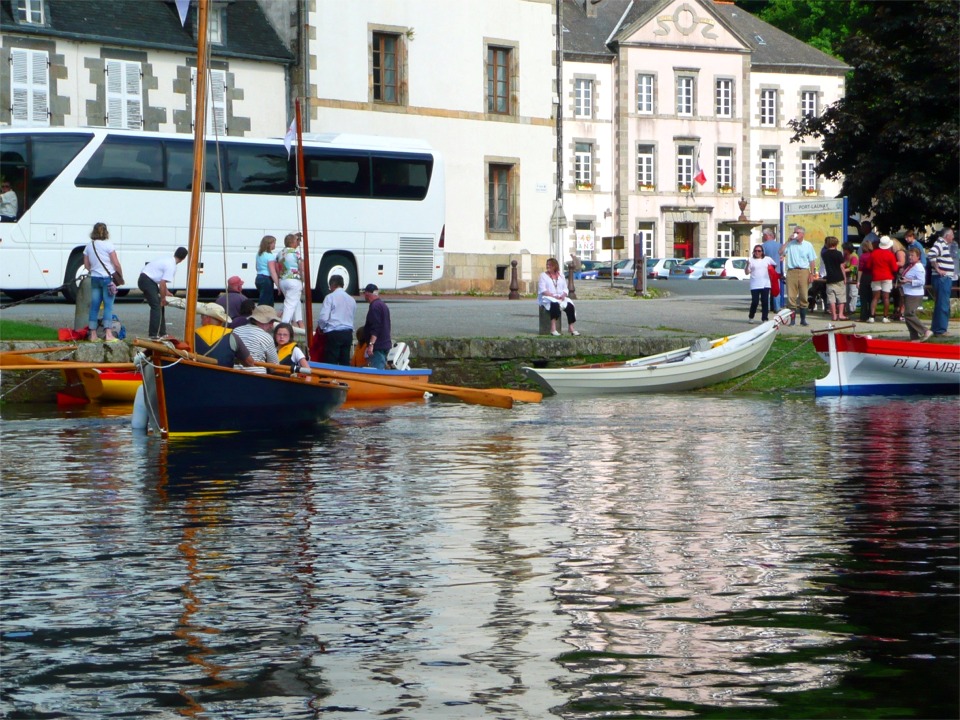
[(703, 363)]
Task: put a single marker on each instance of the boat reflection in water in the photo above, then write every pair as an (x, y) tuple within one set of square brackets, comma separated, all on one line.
[(697, 555)]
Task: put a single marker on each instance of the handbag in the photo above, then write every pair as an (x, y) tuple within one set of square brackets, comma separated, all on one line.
[(116, 276)]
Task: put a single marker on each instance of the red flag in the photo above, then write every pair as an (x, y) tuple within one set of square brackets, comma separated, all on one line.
[(701, 176)]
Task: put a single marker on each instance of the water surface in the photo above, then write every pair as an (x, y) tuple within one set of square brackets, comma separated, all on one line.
[(689, 556)]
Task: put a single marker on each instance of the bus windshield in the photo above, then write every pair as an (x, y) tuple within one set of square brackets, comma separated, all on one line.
[(31, 162)]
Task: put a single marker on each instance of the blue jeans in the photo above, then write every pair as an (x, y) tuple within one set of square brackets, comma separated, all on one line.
[(378, 360), (264, 285), (100, 294), (942, 284)]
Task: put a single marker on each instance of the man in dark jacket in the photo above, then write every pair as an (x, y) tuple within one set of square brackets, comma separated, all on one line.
[(377, 328)]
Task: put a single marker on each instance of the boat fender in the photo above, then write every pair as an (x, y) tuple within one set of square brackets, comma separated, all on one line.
[(399, 357), (139, 418)]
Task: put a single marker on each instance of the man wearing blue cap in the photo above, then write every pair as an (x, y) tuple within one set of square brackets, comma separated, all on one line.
[(377, 328)]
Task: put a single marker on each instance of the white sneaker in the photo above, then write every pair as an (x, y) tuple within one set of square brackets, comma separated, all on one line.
[(870, 319), (554, 332), (886, 320), (751, 321)]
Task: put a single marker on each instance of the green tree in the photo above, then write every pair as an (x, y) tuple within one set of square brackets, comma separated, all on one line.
[(825, 24), (894, 136)]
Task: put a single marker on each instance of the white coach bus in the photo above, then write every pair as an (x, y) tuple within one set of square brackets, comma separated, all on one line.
[(375, 206)]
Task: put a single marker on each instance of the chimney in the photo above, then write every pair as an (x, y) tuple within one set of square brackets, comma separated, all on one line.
[(591, 7)]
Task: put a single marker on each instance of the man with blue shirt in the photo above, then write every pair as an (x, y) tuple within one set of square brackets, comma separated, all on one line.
[(800, 261), (771, 249), (336, 323)]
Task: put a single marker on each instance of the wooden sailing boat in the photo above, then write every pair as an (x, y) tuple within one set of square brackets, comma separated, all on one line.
[(185, 393)]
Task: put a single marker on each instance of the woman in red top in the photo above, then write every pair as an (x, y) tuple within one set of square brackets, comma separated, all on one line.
[(883, 267)]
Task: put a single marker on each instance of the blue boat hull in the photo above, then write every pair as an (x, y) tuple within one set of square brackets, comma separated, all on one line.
[(190, 397)]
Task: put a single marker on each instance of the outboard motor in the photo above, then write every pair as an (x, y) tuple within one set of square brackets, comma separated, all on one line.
[(399, 357)]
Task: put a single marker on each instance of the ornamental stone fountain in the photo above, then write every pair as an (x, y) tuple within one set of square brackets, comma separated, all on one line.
[(741, 228)]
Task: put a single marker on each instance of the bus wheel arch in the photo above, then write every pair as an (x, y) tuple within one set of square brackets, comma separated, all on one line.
[(336, 263), (71, 275)]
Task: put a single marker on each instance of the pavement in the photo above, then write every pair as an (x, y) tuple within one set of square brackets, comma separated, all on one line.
[(703, 308)]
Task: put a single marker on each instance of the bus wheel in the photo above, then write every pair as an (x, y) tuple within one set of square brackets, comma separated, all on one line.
[(336, 264), (72, 275)]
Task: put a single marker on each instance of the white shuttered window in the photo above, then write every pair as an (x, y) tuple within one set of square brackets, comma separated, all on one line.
[(29, 88), (217, 101), (124, 95)]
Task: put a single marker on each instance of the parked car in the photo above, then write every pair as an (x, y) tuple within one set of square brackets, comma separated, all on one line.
[(622, 270), (691, 269), (588, 270), (732, 268), (659, 268)]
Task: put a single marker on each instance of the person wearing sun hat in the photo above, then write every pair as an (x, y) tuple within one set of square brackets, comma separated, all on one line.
[(883, 269), (215, 340), (257, 335), (377, 328)]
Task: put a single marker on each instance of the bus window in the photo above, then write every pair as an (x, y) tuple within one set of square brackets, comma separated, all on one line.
[(339, 175), (125, 162), (401, 177), (180, 166), (258, 169)]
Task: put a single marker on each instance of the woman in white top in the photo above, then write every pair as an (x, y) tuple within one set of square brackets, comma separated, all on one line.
[(289, 267), (758, 267), (913, 276), (100, 259), (552, 296)]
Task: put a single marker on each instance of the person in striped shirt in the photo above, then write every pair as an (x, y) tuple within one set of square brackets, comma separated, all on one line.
[(257, 334), (943, 271)]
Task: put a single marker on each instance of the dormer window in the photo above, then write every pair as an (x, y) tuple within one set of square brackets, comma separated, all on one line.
[(216, 24), (30, 12)]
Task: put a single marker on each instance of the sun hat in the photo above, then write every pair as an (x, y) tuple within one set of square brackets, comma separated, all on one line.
[(214, 311), (264, 314), (371, 288), (886, 243)]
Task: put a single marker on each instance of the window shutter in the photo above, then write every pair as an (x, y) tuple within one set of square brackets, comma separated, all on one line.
[(217, 107), (124, 95), (29, 88)]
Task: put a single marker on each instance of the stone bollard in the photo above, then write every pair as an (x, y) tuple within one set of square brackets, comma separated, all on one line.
[(545, 321), (514, 283), (81, 311), (571, 288)]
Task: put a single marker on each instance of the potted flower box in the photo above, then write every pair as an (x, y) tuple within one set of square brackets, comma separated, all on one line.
[(811, 192), (770, 191), (684, 187), (584, 186), (646, 187), (726, 189)]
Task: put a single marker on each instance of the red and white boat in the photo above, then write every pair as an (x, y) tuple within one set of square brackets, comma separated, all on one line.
[(864, 365)]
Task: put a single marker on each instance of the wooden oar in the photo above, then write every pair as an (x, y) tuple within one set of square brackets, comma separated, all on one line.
[(69, 365), (468, 395), (35, 351), (527, 396), (161, 348)]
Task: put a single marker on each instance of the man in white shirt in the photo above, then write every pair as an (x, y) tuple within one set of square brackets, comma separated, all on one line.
[(153, 283), (8, 203), (336, 323)]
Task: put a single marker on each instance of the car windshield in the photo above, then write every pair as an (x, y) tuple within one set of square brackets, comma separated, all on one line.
[(717, 263), (651, 262), (691, 261), (624, 263)]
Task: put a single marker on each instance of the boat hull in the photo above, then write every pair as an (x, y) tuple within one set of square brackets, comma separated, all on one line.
[(118, 387), (861, 365), (678, 371), (189, 397), (359, 391)]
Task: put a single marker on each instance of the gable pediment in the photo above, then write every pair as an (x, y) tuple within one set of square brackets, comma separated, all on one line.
[(682, 23)]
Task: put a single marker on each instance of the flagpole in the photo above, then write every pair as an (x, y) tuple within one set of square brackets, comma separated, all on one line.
[(301, 183)]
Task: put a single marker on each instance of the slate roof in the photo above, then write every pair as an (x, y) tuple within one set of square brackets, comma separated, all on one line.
[(153, 24), (586, 38)]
